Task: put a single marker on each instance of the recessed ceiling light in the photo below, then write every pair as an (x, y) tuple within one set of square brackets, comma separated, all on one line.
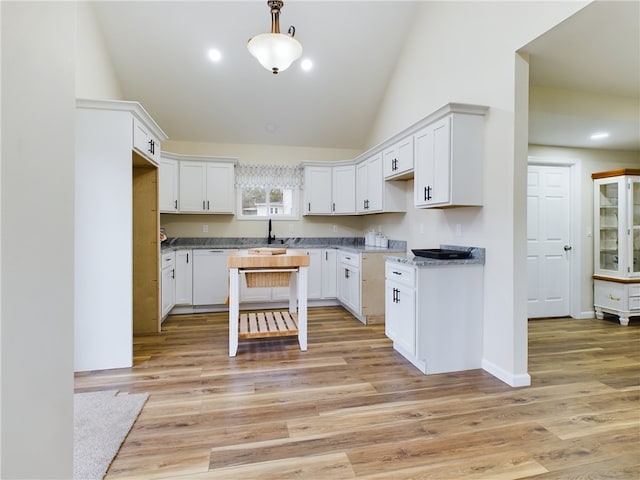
[(214, 55), (306, 64), (599, 135)]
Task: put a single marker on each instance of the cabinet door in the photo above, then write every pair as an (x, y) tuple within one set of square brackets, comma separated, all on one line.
[(344, 190), (210, 277), (375, 184), (349, 287), (329, 273), (400, 318), (362, 184), (398, 159), (433, 164), (167, 280), (369, 185), (144, 142), (634, 224), (609, 226), (314, 274), (220, 187), (184, 277), (193, 184), (168, 185), (317, 190)]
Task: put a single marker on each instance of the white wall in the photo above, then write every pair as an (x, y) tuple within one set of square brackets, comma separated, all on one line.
[(95, 76), (229, 226), (590, 161), (38, 72), (465, 52)]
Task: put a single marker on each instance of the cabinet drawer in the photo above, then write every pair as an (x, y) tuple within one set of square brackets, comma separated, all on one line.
[(634, 303), (634, 290), (168, 260), (402, 274), (352, 259), (609, 295)]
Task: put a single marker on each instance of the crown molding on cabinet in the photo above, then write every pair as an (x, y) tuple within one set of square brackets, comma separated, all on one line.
[(135, 108)]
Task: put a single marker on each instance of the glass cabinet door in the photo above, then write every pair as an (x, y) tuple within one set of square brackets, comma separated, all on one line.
[(609, 209), (634, 222)]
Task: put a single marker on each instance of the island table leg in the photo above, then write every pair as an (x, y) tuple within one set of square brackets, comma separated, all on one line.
[(234, 310), (302, 308)]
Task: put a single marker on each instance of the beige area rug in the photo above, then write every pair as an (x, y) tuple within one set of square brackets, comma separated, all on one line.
[(102, 421)]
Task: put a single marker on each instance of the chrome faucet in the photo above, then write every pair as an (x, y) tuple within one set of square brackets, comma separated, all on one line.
[(270, 236)]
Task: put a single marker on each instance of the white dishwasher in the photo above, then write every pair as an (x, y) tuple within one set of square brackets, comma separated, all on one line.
[(210, 276)]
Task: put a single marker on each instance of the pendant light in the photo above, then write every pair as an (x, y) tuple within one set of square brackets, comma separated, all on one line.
[(275, 51)]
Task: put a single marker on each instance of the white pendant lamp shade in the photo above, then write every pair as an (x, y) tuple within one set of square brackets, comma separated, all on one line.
[(275, 51)]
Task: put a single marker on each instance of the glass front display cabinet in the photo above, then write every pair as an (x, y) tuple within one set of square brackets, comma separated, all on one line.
[(617, 243)]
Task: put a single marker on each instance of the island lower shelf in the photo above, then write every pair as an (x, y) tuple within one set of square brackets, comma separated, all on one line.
[(268, 324)]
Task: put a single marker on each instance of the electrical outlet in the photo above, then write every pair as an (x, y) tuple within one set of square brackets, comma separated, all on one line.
[(205, 228)]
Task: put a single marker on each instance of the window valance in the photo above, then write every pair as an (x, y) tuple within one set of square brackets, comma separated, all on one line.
[(257, 175)]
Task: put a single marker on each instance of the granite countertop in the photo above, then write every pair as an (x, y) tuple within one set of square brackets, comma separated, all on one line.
[(351, 244), (477, 258)]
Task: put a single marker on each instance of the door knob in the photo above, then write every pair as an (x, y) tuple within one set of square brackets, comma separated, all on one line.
[(567, 248)]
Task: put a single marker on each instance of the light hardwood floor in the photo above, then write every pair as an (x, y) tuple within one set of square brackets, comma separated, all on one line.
[(350, 407)]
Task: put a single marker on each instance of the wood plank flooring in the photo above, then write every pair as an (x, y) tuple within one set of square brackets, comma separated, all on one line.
[(350, 407)]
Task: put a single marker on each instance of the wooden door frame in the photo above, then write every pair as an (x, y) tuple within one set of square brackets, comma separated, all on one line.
[(575, 229)]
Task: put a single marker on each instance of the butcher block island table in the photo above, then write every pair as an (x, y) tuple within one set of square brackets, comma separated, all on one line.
[(268, 267)]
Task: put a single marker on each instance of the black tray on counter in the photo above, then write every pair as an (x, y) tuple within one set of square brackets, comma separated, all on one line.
[(442, 253)]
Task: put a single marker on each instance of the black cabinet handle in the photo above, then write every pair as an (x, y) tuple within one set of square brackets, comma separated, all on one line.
[(203, 205), (187, 258), (152, 147), (334, 207), (173, 273), (208, 205), (427, 192), (309, 206), (346, 273), (175, 204)]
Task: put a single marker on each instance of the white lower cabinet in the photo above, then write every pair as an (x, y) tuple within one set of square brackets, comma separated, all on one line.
[(618, 298), (184, 277), (400, 307), (349, 281), (434, 315), (210, 277), (167, 282), (329, 271)]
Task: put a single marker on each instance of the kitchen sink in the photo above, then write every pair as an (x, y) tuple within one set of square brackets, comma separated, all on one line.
[(442, 253)]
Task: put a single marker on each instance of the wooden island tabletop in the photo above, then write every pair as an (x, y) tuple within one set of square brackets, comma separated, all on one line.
[(266, 259)]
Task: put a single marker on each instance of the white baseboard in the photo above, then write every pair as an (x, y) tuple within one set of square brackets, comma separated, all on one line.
[(517, 380)]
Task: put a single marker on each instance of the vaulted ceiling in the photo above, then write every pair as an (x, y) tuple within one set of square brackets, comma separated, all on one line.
[(159, 51)]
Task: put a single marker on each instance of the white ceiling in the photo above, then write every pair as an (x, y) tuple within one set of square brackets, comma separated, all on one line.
[(596, 51), (159, 53)]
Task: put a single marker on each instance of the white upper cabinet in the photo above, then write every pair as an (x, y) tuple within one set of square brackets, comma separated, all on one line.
[(344, 190), (369, 185), (145, 142), (448, 158), (373, 194), (206, 186), (317, 190), (220, 187), (329, 190), (397, 160), (168, 188)]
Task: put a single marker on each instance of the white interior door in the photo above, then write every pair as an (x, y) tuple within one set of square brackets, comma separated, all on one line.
[(548, 242)]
